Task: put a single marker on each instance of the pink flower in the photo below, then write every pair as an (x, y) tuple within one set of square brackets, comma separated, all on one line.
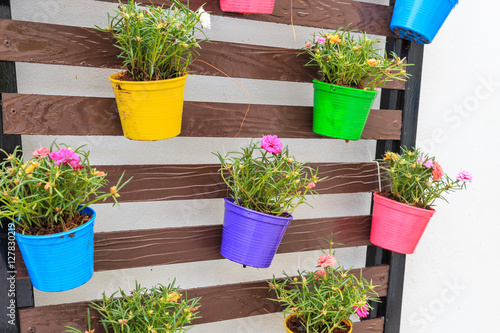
[(429, 164), (311, 185), (465, 176), (437, 171), (362, 311), (272, 144), (319, 274), (321, 40), (326, 260), (78, 167), (42, 152), (65, 156)]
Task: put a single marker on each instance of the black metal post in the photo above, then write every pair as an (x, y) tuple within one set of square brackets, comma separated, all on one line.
[(408, 102), (10, 295)]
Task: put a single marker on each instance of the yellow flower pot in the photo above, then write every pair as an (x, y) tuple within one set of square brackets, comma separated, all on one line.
[(347, 322), (149, 110)]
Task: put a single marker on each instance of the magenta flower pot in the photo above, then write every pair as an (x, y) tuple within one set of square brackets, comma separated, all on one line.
[(249, 237), (397, 227), (247, 6)]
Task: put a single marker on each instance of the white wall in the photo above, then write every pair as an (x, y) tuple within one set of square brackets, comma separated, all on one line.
[(451, 280)]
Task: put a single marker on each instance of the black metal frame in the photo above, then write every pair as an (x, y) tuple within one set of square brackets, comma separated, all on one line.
[(13, 294), (408, 102)]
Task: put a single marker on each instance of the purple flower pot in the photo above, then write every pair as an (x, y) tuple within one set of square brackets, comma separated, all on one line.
[(249, 237)]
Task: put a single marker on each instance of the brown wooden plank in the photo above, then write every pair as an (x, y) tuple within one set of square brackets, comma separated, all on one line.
[(203, 181), (218, 303), (66, 45), (141, 248), (71, 115), (325, 14)]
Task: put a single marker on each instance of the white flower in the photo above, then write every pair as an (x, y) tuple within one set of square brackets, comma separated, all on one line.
[(205, 19)]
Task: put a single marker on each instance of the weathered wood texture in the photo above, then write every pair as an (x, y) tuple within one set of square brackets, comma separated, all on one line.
[(140, 248), (323, 14), (203, 181), (218, 303), (68, 115), (66, 45)]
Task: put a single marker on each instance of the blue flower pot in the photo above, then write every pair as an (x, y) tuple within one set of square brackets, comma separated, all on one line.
[(420, 20), (249, 237), (61, 261)]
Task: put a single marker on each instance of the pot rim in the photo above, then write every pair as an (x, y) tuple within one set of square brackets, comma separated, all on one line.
[(385, 199), (113, 79), (291, 315), (60, 234)]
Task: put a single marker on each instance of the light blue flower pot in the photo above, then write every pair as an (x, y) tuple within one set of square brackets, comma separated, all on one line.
[(61, 261)]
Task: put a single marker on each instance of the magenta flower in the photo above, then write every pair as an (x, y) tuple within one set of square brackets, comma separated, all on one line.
[(465, 176), (326, 260), (65, 156), (362, 311), (42, 152), (272, 144), (311, 185), (321, 40)]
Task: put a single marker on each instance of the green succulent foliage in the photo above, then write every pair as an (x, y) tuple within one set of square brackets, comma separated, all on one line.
[(155, 44), (345, 61)]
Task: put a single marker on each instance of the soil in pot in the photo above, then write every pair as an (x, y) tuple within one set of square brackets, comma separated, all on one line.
[(295, 325), (75, 222)]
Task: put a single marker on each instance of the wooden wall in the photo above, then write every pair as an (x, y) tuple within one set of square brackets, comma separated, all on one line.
[(41, 115)]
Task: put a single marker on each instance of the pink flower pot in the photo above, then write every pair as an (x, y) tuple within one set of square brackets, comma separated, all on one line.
[(397, 227), (248, 6)]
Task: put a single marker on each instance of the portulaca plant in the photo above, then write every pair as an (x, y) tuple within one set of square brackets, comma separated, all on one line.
[(44, 194), (156, 43), (264, 177), (345, 61), (322, 299), (417, 179)]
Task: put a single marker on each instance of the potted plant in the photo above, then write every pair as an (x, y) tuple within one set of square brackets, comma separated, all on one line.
[(266, 185), (349, 71), (420, 20), (323, 300), (47, 199), (159, 309), (247, 6), (157, 46), (401, 215)]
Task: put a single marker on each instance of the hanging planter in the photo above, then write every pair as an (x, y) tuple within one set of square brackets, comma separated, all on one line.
[(290, 320), (156, 46), (341, 112), (48, 205), (397, 227), (268, 184), (149, 110), (61, 261), (249, 237), (247, 6), (350, 70), (401, 215), (420, 20)]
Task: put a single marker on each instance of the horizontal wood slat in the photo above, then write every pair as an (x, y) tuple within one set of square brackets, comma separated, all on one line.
[(71, 115), (67, 45), (203, 181), (325, 14), (218, 303), (141, 248)]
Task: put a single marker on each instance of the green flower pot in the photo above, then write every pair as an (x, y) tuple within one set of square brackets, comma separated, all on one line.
[(340, 112)]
